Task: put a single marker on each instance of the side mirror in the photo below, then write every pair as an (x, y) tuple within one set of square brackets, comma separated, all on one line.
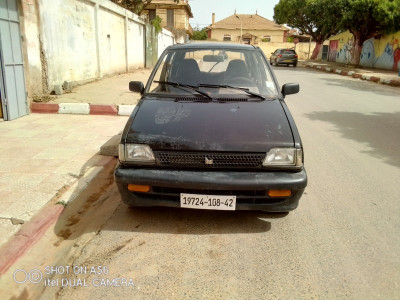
[(136, 86), (290, 88)]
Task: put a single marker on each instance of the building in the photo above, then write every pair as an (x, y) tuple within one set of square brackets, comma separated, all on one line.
[(175, 17), (248, 29)]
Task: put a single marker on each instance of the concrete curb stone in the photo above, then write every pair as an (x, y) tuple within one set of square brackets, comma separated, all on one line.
[(34, 229), (82, 108), (74, 108), (391, 82)]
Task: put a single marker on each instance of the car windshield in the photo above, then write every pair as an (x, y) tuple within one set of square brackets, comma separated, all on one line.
[(217, 72)]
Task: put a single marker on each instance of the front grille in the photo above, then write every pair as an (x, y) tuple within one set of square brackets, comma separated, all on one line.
[(209, 160)]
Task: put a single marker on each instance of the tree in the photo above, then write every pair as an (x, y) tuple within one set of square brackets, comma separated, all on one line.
[(317, 18), (135, 6), (200, 34), (368, 18)]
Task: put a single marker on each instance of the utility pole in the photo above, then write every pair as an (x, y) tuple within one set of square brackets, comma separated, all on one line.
[(241, 29)]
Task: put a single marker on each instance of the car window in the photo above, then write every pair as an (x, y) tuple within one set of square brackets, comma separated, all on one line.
[(289, 52), (194, 67)]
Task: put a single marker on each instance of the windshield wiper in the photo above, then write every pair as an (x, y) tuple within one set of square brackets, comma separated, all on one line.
[(246, 90), (181, 85)]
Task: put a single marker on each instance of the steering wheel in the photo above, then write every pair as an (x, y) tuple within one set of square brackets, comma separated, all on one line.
[(240, 81)]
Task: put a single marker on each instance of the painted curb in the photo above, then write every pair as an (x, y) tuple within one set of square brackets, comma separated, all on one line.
[(29, 234), (44, 108), (82, 109), (34, 229), (74, 108), (391, 82), (103, 110), (125, 110)]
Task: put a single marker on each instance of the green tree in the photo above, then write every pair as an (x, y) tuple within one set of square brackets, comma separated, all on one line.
[(135, 6), (200, 34), (317, 18), (367, 18)]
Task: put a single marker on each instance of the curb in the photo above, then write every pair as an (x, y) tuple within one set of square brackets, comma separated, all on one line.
[(35, 228), (81, 109), (391, 82)]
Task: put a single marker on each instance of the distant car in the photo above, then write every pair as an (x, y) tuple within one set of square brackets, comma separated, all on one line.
[(212, 131), (284, 57)]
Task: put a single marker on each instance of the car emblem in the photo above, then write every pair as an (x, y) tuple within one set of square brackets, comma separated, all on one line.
[(208, 161)]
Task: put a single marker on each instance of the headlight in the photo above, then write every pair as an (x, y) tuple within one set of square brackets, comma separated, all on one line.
[(135, 153), (283, 157)]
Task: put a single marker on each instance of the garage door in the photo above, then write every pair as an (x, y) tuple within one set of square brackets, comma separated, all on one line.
[(12, 81)]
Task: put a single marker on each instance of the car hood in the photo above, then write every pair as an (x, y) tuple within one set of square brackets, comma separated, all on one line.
[(253, 126)]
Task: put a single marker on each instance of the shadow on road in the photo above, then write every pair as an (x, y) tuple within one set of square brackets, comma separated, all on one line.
[(363, 86), (378, 131)]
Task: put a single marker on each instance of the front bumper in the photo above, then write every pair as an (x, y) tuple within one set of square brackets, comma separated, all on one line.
[(250, 188)]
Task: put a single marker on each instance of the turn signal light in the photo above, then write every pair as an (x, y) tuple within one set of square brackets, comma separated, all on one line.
[(279, 193), (138, 188)]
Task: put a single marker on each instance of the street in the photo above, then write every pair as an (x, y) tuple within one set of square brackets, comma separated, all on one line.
[(341, 242)]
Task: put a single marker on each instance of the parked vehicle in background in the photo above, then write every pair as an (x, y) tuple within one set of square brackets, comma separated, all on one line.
[(212, 131), (284, 57)]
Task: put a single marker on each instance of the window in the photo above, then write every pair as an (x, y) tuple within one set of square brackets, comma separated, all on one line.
[(266, 38), (170, 18), (152, 14), (227, 37)]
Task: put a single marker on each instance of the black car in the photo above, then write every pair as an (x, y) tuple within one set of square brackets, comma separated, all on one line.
[(284, 57), (212, 131)]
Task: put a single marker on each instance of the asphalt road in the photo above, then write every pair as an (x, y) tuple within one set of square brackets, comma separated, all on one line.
[(342, 242)]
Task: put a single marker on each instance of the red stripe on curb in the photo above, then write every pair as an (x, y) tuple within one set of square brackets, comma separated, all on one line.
[(103, 110), (374, 79), (356, 75), (44, 108), (395, 82), (29, 234)]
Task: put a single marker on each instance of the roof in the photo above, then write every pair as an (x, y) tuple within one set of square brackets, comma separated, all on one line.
[(227, 46), (255, 22), (170, 4)]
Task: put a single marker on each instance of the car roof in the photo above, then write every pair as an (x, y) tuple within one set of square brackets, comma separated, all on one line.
[(219, 46)]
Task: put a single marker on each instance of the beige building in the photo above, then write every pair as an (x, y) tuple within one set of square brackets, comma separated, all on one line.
[(248, 29), (175, 17)]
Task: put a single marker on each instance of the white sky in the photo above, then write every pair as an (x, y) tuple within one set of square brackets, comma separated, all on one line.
[(203, 9)]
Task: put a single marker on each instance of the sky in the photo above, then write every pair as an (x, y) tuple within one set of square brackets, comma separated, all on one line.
[(202, 9)]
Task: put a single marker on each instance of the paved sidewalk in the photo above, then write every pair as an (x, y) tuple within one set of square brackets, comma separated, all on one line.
[(44, 160)]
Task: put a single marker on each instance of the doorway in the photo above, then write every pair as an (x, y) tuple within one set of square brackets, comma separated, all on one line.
[(12, 79)]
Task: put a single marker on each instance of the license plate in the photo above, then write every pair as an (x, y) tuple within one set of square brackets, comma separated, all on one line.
[(216, 202), (287, 60)]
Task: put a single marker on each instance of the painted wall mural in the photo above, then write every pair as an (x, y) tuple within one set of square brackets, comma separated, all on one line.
[(382, 53)]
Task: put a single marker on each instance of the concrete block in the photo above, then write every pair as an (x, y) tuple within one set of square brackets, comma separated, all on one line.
[(338, 71), (58, 89), (74, 108), (125, 110), (328, 69), (110, 148), (110, 110), (319, 67), (350, 73), (44, 108)]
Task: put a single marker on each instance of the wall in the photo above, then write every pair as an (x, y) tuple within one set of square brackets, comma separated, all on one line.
[(164, 40), (382, 52), (80, 40)]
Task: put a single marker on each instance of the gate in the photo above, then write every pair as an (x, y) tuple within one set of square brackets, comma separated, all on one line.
[(12, 81)]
